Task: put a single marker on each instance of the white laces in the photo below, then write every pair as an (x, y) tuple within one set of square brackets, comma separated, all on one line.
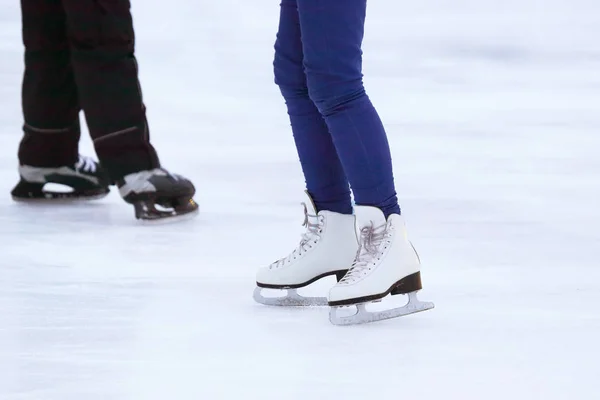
[(86, 164), (373, 241), (314, 228)]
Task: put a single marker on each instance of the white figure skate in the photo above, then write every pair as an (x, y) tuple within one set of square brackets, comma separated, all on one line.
[(386, 263), (328, 247)]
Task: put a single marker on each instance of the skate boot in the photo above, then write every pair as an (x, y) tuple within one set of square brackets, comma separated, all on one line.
[(86, 178), (328, 247), (386, 263), (158, 195)]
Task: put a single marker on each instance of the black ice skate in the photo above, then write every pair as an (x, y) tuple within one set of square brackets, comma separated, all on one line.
[(157, 194), (87, 180)]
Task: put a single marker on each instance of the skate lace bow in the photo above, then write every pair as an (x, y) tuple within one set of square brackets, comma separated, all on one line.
[(312, 233), (369, 248), (86, 164)]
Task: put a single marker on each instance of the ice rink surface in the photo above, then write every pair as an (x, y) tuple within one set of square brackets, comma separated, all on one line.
[(493, 113)]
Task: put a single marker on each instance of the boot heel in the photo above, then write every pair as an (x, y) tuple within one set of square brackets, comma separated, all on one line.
[(408, 284)]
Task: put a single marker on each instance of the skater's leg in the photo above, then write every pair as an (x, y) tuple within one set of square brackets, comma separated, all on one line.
[(49, 95), (329, 243), (323, 172), (48, 152), (332, 33), (101, 38), (101, 35), (386, 262)]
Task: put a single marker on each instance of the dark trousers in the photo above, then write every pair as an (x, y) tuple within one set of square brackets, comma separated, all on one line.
[(338, 133), (79, 55)]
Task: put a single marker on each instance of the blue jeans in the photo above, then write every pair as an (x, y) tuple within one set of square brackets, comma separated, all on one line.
[(339, 136)]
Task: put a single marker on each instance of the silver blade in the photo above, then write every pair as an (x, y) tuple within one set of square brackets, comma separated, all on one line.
[(291, 299), (362, 316), (175, 218)]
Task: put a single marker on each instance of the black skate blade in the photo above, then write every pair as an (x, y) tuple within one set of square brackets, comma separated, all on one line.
[(30, 192), (58, 197), (148, 213)]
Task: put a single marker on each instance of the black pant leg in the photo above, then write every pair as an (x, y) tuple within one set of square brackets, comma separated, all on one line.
[(102, 43), (49, 95)]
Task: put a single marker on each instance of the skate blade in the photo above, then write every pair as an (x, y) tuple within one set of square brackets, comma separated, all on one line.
[(291, 299), (363, 316), (59, 198), (172, 218), (147, 213)]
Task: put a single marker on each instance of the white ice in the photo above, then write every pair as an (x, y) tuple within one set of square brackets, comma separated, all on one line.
[(493, 113)]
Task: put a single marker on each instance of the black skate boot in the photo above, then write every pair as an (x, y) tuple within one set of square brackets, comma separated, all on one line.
[(86, 178), (148, 189)]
